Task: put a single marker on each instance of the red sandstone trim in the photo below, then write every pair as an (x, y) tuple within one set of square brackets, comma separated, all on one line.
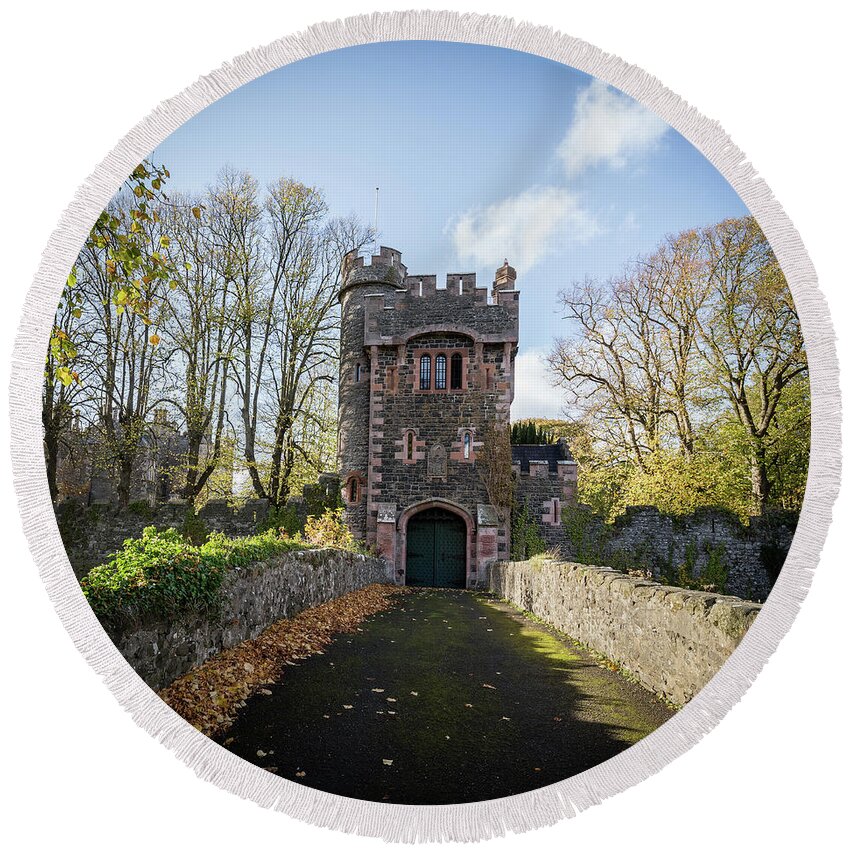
[(419, 353)]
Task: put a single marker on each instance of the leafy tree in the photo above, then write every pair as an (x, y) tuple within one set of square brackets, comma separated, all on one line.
[(128, 266), (62, 383), (530, 432), (750, 336), (121, 235), (686, 378)]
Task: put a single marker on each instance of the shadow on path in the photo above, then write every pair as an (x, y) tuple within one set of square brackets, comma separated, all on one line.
[(447, 698)]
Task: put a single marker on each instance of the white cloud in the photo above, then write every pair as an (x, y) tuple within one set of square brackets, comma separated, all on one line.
[(521, 229), (534, 394), (607, 128)]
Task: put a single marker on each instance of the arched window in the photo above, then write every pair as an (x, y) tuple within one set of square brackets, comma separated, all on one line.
[(408, 448), (457, 371), (467, 445), (425, 372), (440, 372)]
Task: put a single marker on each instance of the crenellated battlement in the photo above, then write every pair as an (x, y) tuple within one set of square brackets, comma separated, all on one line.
[(386, 267), (459, 288), (384, 257)]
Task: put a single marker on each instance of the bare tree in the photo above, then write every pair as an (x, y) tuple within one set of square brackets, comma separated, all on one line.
[(234, 311), (307, 328), (612, 368), (494, 468), (672, 277), (236, 227), (287, 319), (123, 351), (200, 333)]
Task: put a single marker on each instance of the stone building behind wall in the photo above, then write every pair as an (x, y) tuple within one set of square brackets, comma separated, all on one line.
[(86, 469), (423, 372), (545, 477)]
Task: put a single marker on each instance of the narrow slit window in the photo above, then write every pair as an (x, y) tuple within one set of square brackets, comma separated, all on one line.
[(467, 445), (358, 373), (425, 372), (440, 372), (352, 490), (409, 446), (457, 371)]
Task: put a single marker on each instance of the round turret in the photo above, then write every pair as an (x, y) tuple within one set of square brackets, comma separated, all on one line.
[(385, 274)]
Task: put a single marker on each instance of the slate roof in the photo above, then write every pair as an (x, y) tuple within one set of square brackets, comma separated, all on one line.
[(522, 454)]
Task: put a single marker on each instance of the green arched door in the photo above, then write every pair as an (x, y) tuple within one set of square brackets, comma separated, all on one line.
[(436, 549)]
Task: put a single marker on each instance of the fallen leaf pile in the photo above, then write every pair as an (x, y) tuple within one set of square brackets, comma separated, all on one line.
[(210, 695)]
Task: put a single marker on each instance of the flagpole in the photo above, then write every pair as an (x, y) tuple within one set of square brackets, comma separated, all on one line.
[(377, 189)]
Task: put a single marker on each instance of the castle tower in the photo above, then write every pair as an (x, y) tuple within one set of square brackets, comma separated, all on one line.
[(425, 371), (360, 282)]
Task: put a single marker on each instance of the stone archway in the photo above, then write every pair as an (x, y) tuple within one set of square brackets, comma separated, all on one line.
[(436, 549), (436, 545)]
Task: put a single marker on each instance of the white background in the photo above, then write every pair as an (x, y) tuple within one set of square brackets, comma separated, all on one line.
[(76, 77)]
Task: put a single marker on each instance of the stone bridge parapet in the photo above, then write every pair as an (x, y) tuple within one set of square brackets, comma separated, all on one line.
[(672, 640)]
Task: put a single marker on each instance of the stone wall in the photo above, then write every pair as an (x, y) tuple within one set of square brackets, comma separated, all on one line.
[(672, 640), (92, 533), (660, 544), (253, 598)]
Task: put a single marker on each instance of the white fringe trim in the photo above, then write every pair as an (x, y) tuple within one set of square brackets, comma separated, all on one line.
[(462, 822)]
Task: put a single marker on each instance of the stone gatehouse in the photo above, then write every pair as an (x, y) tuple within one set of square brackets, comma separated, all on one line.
[(423, 370)]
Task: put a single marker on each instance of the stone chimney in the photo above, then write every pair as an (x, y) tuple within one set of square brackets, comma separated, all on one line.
[(505, 278)]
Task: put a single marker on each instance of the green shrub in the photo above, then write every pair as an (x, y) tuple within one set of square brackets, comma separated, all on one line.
[(526, 540), (194, 530), (161, 574), (158, 573), (239, 551), (588, 535), (285, 519), (715, 573), (143, 509), (712, 577)]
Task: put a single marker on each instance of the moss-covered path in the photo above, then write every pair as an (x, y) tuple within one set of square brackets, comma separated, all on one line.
[(448, 697)]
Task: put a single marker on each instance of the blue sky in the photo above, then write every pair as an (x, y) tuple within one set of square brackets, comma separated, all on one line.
[(480, 154)]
